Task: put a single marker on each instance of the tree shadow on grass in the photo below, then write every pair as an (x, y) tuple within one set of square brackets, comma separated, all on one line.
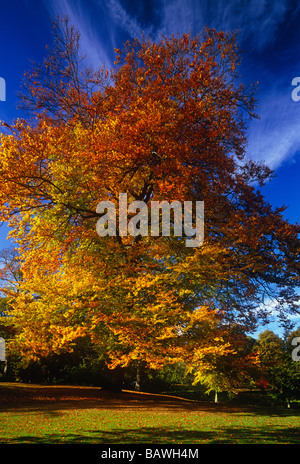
[(53, 410), (159, 435), (54, 400)]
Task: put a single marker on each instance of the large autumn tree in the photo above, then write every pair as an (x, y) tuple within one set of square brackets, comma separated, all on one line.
[(167, 123)]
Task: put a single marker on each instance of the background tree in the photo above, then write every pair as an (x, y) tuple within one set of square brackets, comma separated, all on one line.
[(278, 368), (271, 348), (236, 370), (167, 123)]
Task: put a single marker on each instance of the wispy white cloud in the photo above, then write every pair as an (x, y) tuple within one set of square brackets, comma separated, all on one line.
[(127, 22), (182, 16), (256, 20), (275, 137), (96, 50)]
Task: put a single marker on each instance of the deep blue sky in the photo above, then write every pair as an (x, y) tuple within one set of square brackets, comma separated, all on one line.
[(269, 37)]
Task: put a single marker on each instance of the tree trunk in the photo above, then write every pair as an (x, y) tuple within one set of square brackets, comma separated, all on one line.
[(216, 396), (138, 377)]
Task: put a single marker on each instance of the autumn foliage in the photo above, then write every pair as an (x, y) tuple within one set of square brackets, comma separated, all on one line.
[(167, 123)]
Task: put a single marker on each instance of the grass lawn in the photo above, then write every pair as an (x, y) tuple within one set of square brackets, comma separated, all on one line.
[(57, 414)]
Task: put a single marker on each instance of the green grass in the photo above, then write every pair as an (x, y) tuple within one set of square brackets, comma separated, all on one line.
[(94, 426), (141, 419)]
